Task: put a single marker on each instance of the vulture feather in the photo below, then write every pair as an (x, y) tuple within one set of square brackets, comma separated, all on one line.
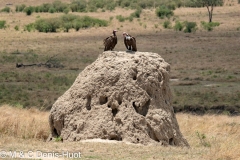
[(130, 42), (110, 42)]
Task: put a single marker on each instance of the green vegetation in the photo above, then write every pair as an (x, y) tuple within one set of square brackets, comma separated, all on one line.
[(2, 24), (94, 5), (27, 88), (209, 25), (178, 26), (190, 27), (209, 4), (167, 24), (135, 14), (164, 11), (65, 22), (6, 9)]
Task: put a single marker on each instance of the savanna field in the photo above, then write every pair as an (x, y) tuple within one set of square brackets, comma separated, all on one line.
[(58, 39)]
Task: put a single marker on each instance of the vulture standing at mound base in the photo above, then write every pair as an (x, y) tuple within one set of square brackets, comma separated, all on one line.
[(110, 42), (130, 42)]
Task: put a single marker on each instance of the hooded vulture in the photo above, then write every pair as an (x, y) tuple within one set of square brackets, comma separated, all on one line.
[(130, 42), (110, 42)]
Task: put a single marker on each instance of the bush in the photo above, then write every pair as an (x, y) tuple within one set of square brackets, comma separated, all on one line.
[(16, 28), (66, 11), (137, 13), (52, 10), (66, 22), (29, 10), (209, 25), (30, 27), (6, 9), (2, 24), (78, 6), (163, 11), (120, 18), (167, 24), (178, 26), (190, 27)]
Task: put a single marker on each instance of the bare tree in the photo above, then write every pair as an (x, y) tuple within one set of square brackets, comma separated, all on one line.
[(210, 4)]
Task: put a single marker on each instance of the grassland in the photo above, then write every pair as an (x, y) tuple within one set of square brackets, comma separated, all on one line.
[(205, 78), (204, 65), (210, 137)]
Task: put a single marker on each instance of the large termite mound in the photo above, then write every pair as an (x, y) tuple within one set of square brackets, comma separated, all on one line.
[(121, 96)]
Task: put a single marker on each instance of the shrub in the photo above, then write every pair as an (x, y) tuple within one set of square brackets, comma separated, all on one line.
[(163, 11), (29, 10), (120, 18), (78, 6), (137, 13), (52, 10), (6, 9), (167, 24), (66, 11), (209, 25), (30, 27), (178, 26), (2, 24), (16, 28), (190, 27), (67, 22)]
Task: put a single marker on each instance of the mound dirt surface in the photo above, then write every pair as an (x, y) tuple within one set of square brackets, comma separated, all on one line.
[(122, 96)]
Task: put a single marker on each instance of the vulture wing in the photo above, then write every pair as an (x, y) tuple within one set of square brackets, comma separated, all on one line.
[(134, 44), (125, 42)]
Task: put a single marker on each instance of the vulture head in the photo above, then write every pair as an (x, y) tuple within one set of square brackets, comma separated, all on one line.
[(114, 32)]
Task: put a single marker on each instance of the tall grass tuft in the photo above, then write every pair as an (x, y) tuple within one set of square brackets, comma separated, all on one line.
[(2, 24), (178, 26), (23, 123)]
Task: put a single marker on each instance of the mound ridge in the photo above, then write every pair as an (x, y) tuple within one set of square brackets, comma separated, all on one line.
[(121, 96)]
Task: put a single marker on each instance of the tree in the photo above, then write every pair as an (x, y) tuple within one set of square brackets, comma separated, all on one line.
[(210, 4)]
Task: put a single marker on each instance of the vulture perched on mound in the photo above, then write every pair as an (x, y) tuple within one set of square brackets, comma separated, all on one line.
[(130, 42), (110, 42)]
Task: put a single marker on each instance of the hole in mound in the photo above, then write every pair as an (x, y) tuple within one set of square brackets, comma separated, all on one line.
[(114, 111), (119, 101), (143, 110), (116, 137), (171, 141), (55, 132), (138, 139), (134, 77), (103, 100), (88, 104)]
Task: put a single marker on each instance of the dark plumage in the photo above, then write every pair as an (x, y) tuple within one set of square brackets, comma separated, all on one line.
[(110, 42), (130, 42)]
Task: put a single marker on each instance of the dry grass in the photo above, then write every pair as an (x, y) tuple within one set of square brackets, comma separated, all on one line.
[(20, 130), (24, 124)]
